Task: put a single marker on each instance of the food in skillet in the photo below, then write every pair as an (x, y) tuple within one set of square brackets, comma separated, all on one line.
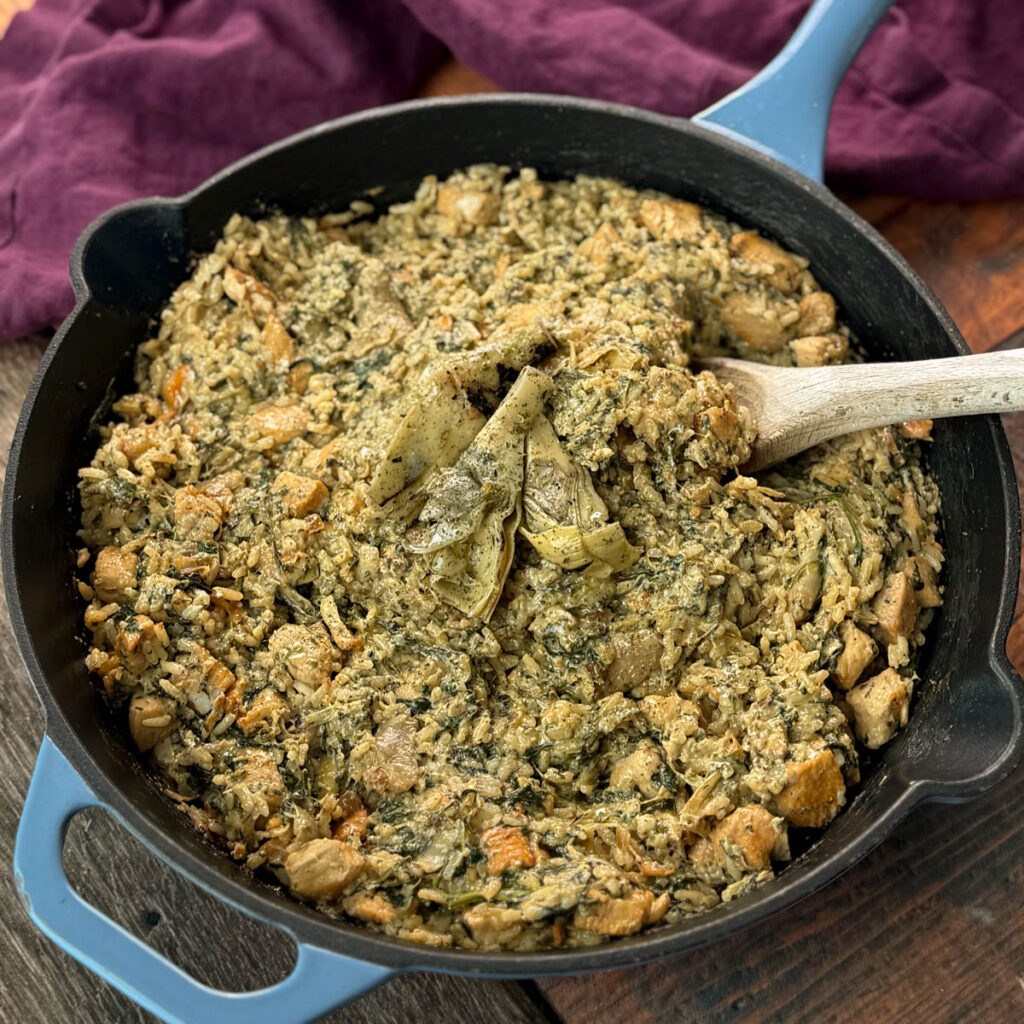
[(421, 568)]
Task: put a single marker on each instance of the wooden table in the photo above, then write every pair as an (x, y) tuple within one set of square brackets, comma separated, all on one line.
[(927, 929)]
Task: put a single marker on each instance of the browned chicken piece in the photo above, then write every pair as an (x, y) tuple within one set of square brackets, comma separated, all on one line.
[(305, 651), (819, 350), (140, 643), (924, 580), (598, 247), (895, 607), (150, 719), (752, 320), (464, 204), (268, 706), (770, 262), (814, 791), (920, 430), (723, 423), (880, 706), (858, 652), (637, 658), (278, 344), (197, 516), (246, 291), (280, 423), (114, 574), (222, 488), (392, 765), (368, 906), (624, 916), (493, 925), (803, 592), (506, 848), (817, 314), (257, 773), (300, 495), (178, 387), (911, 517), (323, 869), (637, 770), (672, 221), (753, 830), (135, 442), (379, 315)]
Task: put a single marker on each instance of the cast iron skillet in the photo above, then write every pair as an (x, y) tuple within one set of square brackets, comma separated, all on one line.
[(965, 733)]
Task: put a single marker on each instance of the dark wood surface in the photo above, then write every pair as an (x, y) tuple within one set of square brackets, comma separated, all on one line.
[(928, 929)]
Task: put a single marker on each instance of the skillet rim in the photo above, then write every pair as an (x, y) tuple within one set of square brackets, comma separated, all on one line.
[(306, 925)]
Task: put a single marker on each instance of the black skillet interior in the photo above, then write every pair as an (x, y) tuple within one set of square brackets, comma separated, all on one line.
[(965, 732)]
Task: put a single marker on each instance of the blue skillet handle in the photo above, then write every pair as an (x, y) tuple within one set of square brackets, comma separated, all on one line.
[(784, 109), (320, 981)]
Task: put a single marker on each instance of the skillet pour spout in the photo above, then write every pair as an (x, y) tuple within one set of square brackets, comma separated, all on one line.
[(965, 732)]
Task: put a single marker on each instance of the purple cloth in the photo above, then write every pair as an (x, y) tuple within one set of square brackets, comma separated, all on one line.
[(106, 100)]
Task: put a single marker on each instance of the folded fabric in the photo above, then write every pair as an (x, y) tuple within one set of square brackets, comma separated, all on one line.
[(106, 100)]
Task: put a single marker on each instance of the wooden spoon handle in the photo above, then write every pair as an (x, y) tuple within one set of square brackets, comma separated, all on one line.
[(814, 405), (871, 394)]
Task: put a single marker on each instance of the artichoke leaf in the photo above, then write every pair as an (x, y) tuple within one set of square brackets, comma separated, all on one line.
[(473, 508), (564, 516), (557, 491), (437, 428)]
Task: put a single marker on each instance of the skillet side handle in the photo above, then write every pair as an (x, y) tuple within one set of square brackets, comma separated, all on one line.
[(320, 981), (784, 109)]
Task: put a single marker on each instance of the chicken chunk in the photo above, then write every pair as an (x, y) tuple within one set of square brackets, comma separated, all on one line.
[(492, 925), (617, 916), (672, 221), (752, 320), (506, 848), (463, 204), (197, 516), (249, 293), (300, 495), (114, 574), (637, 770), (895, 608), (819, 350), (817, 314), (280, 424), (305, 651), (924, 580), (323, 869), (150, 719), (277, 343), (637, 658), (858, 652), (268, 706), (814, 791), (222, 489), (753, 830), (598, 247), (880, 707), (257, 781), (369, 906), (140, 643), (770, 262)]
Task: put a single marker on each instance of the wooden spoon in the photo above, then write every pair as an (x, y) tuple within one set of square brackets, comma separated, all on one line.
[(796, 408)]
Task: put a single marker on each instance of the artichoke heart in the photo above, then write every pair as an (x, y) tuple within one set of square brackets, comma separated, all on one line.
[(433, 433), (565, 518), (473, 508)]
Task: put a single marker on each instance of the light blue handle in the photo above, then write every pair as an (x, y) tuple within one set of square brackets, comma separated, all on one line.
[(784, 109), (320, 981)]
